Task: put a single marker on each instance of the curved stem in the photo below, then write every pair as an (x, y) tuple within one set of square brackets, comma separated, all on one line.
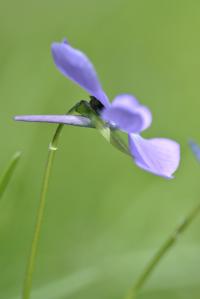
[(84, 109), (162, 252), (33, 252)]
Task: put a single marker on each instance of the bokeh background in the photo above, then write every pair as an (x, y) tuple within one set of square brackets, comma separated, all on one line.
[(105, 217)]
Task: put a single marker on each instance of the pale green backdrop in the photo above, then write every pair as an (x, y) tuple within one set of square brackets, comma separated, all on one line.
[(105, 217)]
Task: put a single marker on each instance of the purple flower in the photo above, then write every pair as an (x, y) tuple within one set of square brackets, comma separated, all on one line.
[(159, 156), (195, 149)]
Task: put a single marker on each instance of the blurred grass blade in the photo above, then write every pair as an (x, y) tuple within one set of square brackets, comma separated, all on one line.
[(162, 251), (6, 176)]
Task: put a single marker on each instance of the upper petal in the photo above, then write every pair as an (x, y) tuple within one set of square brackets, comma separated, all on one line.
[(127, 114), (75, 65), (158, 155)]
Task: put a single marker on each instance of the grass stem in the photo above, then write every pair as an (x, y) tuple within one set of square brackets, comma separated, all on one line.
[(167, 245)]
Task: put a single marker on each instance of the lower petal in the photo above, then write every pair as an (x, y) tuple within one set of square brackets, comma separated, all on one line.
[(159, 156)]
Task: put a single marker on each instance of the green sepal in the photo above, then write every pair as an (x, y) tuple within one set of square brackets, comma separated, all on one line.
[(84, 108)]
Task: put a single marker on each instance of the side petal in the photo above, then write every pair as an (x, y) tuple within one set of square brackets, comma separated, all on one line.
[(127, 114), (76, 66), (73, 120), (158, 155)]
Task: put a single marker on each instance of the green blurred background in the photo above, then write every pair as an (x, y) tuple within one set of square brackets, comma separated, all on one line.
[(105, 217)]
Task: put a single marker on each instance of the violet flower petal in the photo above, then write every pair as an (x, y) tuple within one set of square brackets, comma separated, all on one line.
[(158, 155), (76, 66), (73, 120), (195, 149), (127, 114)]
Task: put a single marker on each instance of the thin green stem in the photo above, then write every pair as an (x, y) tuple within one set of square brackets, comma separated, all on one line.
[(162, 252), (84, 109), (33, 252)]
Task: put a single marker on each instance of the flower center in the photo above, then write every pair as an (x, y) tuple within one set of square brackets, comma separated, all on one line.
[(96, 105)]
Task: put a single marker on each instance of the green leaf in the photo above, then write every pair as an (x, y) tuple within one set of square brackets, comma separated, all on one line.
[(6, 176)]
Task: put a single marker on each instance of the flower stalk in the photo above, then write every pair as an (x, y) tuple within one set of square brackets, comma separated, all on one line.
[(88, 119), (40, 213)]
